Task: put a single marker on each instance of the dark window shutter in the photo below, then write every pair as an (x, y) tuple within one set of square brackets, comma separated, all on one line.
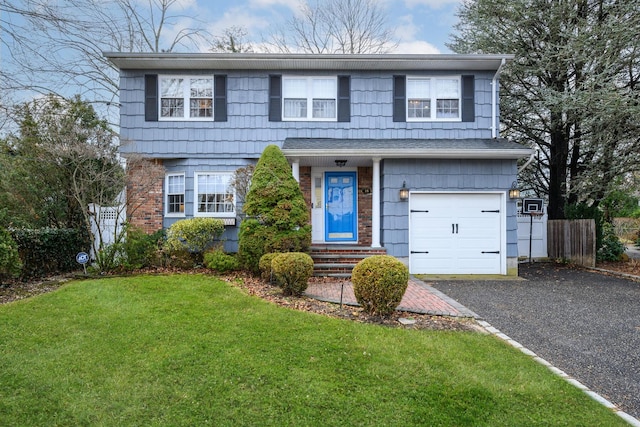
[(220, 98), (399, 98), (275, 98), (344, 98), (468, 99), (151, 97)]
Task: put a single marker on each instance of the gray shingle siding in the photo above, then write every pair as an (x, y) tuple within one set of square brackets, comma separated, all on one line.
[(189, 167), (440, 175), (247, 130), (197, 146)]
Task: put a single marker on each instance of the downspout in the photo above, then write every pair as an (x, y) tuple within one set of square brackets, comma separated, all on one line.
[(494, 100)]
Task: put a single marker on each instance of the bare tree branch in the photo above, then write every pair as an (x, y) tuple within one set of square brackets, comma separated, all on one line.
[(335, 26)]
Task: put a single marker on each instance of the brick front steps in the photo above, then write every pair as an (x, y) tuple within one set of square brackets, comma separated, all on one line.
[(339, 260)]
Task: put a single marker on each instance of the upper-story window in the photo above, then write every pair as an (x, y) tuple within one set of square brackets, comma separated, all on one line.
[(188, 98), (433, 98), (309, 98)]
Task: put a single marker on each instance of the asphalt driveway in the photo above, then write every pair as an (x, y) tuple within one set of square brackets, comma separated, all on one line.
[(585, 323)]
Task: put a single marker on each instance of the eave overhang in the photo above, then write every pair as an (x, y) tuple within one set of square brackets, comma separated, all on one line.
[(303, 62), (318, 151)]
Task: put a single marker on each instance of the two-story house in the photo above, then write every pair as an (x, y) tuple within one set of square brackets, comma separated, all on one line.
[(399, 152)]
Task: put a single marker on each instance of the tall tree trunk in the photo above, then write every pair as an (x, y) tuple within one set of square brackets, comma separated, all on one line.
[(557, 168)]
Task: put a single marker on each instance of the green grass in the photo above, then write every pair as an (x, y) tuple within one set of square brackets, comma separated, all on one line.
[(192, 350)]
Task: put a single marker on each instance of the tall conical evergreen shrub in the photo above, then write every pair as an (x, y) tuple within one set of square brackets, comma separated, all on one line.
[(277, 214)]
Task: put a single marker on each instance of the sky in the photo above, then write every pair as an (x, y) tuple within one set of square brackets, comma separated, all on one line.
[(420, 26)]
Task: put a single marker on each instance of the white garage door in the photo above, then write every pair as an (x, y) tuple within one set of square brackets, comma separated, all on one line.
[(456, 233)]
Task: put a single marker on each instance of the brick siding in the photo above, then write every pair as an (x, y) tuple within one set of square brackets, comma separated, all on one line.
[(145, 209)]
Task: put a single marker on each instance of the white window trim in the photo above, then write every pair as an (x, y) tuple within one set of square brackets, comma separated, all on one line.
[(433, 100), (167, 194), (309, 97), (196, 201), (186, 97)]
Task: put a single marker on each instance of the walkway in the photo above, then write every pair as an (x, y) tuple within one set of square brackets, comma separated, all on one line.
[(419, 298)]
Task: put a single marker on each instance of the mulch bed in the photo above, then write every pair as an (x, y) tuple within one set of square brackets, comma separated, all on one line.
[(18, 290), (255, 286)]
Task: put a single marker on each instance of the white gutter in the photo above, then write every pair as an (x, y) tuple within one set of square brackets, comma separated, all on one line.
[(494, 100), (480, 153), (523, 167)]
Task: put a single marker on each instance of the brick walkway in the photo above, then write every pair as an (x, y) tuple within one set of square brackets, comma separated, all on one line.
[(419, 298)]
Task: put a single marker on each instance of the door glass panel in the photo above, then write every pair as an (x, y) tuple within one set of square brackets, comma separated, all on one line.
[(340, 207), (317, 196)]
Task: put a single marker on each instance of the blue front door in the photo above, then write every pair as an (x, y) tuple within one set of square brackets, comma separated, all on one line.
[(341, 212)]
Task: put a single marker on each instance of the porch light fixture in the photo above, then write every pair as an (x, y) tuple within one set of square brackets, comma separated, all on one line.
[(341, 163), (514, 191), (404, 192)]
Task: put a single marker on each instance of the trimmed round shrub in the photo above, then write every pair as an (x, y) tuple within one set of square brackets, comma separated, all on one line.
[(194, 235), (292, 271), (265, 266), (379, 282), (221, 262), (10, 264)]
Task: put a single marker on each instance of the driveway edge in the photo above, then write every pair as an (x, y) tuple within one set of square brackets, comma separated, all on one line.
[(592, 394)]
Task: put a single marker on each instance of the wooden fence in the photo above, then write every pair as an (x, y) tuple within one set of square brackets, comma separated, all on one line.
[(573, 240)]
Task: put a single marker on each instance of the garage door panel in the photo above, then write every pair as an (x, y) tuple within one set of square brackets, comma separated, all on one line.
[(478, 230), (455, 232)]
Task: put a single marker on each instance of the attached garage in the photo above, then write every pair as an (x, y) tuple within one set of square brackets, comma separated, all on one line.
[(457, 233)]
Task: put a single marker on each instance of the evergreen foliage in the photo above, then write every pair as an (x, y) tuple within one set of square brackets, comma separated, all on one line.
[(49, 250), (379, 282), (278, 217), (195, 235), (62, 158), (292, 271), (219, 261), (10, 264), (266, 272), (611, 248), (571, 90)]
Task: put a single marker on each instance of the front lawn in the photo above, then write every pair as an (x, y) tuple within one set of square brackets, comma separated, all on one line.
[(193, 350)]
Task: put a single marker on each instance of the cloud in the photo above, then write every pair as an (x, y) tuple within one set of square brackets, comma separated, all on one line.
[(416, 46), (406, 32), (294, 5), (435, 4)]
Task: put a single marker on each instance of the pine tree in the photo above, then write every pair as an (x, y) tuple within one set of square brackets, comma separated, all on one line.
[(571, 91), (277, 214)]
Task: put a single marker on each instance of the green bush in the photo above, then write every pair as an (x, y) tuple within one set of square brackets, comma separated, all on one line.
[(194, 235), (266, 271), (278, 217), (141, 249), (611, 248), (379, 282), (221, 262), (49, 250), (10, 264), (292, 271)]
